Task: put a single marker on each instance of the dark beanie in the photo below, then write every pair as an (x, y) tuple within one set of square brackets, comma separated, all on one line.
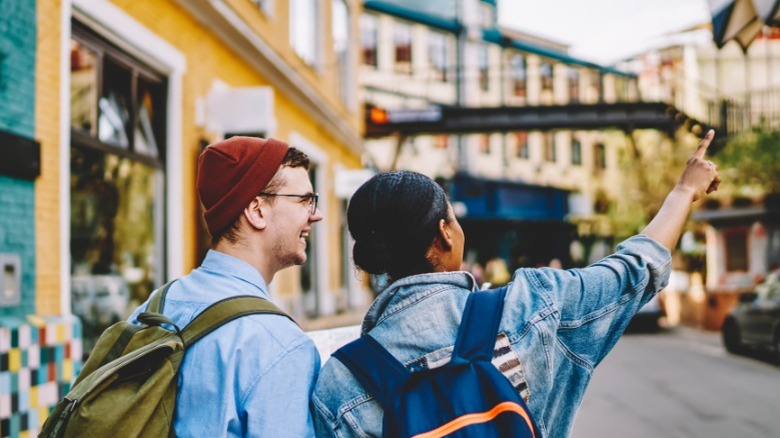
[(231, 172)]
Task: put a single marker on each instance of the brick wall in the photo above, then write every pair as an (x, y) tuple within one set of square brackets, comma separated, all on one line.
[(17, 108), (17, 236), (47, 186)]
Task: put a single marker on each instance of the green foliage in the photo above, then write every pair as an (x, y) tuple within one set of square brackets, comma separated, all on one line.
[(752, 159)]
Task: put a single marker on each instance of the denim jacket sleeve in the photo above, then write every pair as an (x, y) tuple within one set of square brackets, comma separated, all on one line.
[(596, 303)]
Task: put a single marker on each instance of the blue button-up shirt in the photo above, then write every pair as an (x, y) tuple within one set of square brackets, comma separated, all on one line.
[(556, 326), (251, 377)]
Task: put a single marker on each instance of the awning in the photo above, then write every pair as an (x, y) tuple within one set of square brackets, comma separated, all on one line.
[(742, 20), (476, 198)]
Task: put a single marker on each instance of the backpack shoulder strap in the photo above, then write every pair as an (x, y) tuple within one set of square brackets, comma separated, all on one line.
[(224, 311), (479, 326), (157, 302), (375, 368)]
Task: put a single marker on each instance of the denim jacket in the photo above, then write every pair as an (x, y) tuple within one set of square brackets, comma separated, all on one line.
[(556, 326)]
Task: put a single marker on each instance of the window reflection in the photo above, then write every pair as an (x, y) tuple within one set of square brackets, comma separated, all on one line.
[(114, 105), (149, 120), (112, 237), (83, 87)]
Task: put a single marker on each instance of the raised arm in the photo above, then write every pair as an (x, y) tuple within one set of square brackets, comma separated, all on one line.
[(699, 177)]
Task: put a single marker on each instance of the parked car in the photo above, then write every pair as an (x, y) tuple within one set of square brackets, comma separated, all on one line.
[(755, 321)]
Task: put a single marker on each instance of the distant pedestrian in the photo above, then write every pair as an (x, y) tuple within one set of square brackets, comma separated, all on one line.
[(556, 325), (254, 375)]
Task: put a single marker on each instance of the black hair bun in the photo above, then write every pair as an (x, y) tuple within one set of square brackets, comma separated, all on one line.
[(371, 255)]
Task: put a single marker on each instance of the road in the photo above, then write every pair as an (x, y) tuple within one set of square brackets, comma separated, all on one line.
[(680, 383)]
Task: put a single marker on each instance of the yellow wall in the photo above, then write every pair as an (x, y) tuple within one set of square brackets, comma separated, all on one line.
[(47, 192)]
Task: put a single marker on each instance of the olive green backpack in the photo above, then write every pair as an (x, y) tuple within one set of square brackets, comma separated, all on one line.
[(128, 385)]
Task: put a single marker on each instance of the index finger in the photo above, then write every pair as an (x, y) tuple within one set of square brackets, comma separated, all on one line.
[(705, 143)]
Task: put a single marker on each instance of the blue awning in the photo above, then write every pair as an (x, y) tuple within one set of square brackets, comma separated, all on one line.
[(508, 200), (440, 14)]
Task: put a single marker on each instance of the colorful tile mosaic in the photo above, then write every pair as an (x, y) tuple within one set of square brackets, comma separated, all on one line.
[(39, 357)]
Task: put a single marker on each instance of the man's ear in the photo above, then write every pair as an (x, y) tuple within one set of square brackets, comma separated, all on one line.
[(256, 214), (445, 235)]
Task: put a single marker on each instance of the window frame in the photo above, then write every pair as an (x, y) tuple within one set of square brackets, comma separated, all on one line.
[(403, 53), (366, 40), (483, 67), (139, 70), (438, 44), (518, 78), (522, 147), (573, 82), (546, 81), (736, 260), (110, 154), (550, 147), (576, 152), (342, 58), (313, 59)]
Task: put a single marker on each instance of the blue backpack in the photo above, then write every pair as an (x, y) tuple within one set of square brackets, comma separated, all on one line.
[(468, 397)]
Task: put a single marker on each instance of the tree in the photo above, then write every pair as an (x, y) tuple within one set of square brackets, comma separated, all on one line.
[(650, 163), (752, 160)]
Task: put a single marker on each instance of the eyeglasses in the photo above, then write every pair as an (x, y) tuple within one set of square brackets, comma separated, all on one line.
[(312, 199)]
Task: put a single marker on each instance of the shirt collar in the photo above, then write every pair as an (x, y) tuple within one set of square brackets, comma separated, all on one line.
[(229, 266)]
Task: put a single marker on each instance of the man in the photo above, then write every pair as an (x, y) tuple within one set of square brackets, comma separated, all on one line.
[(254, 375)]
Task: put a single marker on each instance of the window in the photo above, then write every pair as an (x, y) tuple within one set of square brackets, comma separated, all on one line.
[(484, 144), (574, 85), (308, 276), (736, 250), (340, 27), (521, 141), (117, 161), (484, 68), (550, 147), (621, 89), (595, 84), (314, 275), (517, 71), (368, 37), (576, 152), (599, 157), (437, 55), (546, 76), (402, 41), (305, 30)]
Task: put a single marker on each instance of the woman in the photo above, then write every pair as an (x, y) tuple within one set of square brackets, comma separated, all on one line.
[(556, 326)]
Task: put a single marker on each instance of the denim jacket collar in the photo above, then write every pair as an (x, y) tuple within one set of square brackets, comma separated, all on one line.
[(402, 293)]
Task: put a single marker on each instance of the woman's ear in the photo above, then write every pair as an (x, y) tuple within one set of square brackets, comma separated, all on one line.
[(445, 234), (256, 214)]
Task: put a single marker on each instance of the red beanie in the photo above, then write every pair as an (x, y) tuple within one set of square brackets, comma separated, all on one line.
[(232, 172)]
